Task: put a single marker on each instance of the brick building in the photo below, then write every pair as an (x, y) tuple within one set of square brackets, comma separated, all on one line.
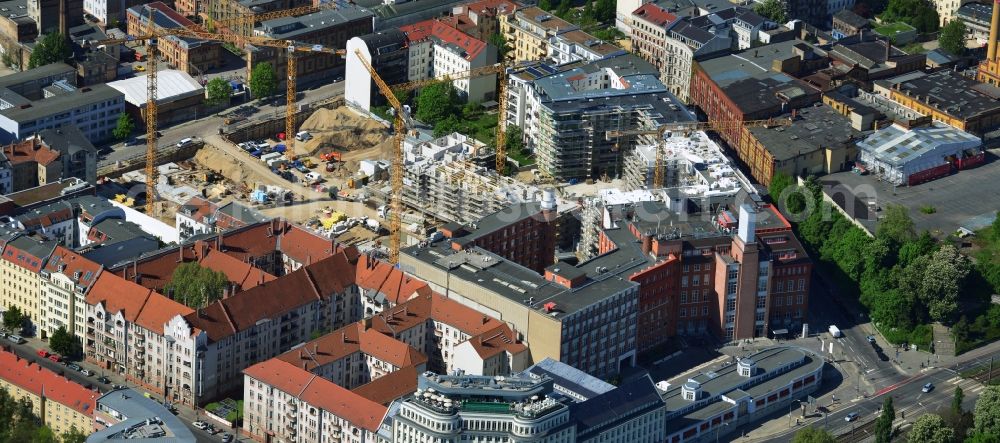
[(524, 234), (189, 55)]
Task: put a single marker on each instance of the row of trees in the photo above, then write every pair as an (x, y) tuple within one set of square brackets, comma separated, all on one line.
[(905, 279), (982, 425), (18, 423)]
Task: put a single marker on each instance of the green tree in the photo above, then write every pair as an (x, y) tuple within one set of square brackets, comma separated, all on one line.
[(545, 5), (217, 91), (263, 80), (944, 278), (196, 286), (896, 225), (911, 250), (956, 402), (563, 9), (779, 182), (883, 425), (930, 428), (952, 37), (124, 127), (604, 11), (813, 435), (14, 319), (514, 140), (437, 102), (894, 309), (987, 412), (65, 343), (995, 228), (503, 46), (983, 437), (74, 436), (447, 126), (50, 49), (771, 9)]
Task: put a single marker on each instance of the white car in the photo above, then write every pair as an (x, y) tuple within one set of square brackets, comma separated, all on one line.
[(86, 372), (200, 425), (927, 388)]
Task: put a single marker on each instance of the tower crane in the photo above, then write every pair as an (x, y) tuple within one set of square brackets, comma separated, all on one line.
[(152, 34), (399, 126), (693, 126)]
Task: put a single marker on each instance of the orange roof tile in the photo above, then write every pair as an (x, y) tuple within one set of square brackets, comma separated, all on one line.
[(303, 246), (30, 151), (445, 33), (319, 392), (158, 311), (70, 263), (349, 340), (397, 286), (655, 14), (36, 379), (118, 294), (155, 271), (495, 341), (392, 386)]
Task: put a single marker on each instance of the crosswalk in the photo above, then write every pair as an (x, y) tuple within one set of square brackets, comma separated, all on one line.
[(967, 384)]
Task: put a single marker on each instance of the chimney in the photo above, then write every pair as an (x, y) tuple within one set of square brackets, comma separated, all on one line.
[(647, 244), (343, 337), (991, 51), (485, 319)]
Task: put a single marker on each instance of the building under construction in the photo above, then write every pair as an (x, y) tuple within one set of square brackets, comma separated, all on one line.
[(693, 164)]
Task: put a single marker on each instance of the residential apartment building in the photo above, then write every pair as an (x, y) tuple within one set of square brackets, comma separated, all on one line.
[(50, 156), (579, 46), (189, 55), (529, 31), (976, 17), (437, 49), (331, 28), (480, 19), (199, 216), (946, 9), (23, 258), (65, 280), (62, 404), (565, 114), (523, 233), (369, 364), (846, 23), (92, 109), (109, 12)]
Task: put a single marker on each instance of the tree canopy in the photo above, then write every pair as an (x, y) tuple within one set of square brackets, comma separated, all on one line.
[(813, 435), (437, 102), (917, 13), (883, 425), (930, 428), (196, 286), (217, 91), (896, 224), (263, 80), (50, 49), (124, 127), (65, 343), (987, 412), (952, 37), (18, 423), (14, 319), (771, 9)]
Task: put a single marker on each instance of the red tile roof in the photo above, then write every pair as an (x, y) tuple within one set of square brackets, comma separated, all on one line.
[(497, 340), (70, 263), (317, 391), (444, 33), (36, 379), (170, 12), (392, 386), (398, 287), (30, 150), (138, 305), (304, 246), (23, 258), (489, 6), (653, 13), (154, 272), (351, 339)]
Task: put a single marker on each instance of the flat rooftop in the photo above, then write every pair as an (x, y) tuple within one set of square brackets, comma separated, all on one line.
[(293, 27), (897, 145), (61, 103), (950, 92), (815, 127)]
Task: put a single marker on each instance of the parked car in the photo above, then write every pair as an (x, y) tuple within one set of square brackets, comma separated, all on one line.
[(86, 372), (74, 367), (16, 339), (43, 353), (851, 417), (56, 358), (927, 388), (871, 339), (200, 425), (227, 438), (117, 386), (104, 380)]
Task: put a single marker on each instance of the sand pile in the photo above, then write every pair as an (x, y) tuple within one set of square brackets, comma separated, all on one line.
[(341, 129), (214, 159)]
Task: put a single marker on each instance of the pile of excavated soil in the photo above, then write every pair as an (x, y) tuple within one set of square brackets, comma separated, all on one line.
[(343, 130), (212, 158)]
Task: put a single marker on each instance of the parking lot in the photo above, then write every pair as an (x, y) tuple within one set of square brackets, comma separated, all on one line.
[(962, 199)]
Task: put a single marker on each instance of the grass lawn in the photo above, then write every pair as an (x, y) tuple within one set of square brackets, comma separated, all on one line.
[(891, 29), (521, 159)]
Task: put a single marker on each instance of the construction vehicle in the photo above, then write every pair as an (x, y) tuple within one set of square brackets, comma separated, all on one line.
[(688, 127), (400, 115), (152, 33), (332, 156)]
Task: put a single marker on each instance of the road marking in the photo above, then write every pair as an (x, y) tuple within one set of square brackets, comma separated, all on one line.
[(953, 379)]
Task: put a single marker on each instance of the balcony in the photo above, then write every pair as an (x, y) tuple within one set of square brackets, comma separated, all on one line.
[(90, 332), (140, 351), (139, 338), (140, 362)]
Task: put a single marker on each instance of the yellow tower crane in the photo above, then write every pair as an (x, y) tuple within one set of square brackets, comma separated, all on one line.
[(151, 36), (692, 126), (396, 170)]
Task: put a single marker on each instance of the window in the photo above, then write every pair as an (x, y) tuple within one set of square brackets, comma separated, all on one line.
[(696, 280), (697, 267), (778, 301), (778, 287), (799, 299), (694, 295), (802, 284), (684, 281), (684, 297), (704, 310), (684, 312)]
